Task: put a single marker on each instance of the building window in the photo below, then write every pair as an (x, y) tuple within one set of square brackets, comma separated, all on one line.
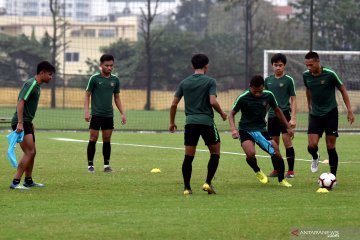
[(89, 33), (106, 33), (72, 57)]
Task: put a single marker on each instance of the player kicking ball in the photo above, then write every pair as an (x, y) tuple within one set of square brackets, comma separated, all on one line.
[(254, 103)]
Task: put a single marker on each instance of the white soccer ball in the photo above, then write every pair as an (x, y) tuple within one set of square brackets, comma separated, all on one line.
[(327, 180)]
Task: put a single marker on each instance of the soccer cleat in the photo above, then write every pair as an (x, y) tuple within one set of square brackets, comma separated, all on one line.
[(262, 177), (290, 174), (285, 183), (315, 164), (208, 188), (274, 173), (108, 169), (33, 184), (91, 169), (187, 192), (18, 187)]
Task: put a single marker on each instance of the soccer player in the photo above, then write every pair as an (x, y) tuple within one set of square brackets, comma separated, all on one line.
[(254, 103), (101, 88), (199, 92), (283, 87), (320, 83), (28, 100)]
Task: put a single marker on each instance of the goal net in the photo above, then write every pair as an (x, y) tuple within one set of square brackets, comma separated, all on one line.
[(347, 66)]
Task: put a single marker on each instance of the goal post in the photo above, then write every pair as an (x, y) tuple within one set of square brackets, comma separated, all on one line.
[(345, 63)]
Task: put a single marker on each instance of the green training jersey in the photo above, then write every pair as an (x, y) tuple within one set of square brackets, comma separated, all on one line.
[(283, 88), (196, 90), (30, 92), (102, 91), (253, 110), (322, 88)]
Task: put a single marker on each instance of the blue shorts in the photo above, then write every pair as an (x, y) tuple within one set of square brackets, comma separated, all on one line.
[(262, 139)]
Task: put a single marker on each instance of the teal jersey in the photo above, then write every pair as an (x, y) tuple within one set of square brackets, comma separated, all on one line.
[(322, 89), (254, 109), (196, 90), (30, 93), (102, 91), (283, 88)]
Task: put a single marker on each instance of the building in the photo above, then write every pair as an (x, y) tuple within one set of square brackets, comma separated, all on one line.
[(83, 39)]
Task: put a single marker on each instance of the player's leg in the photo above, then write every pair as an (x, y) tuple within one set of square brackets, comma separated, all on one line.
[(191, 138), (331, 130), (29, 128), (94, 135), (315, 131), (211, 137), (28, 148), (106, 150), (107, 127), (290, 155), (248, 145), (274, 132)]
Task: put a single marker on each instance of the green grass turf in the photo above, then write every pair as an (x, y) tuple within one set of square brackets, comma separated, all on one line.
[(132, 203), (70, 119)]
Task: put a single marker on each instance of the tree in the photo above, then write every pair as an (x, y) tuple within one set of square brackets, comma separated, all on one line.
[(18, 56), (150, 38), (58, 23), (336, 23)]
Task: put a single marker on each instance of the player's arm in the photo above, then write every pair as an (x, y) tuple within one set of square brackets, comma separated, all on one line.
[(120, 107), (308, 99), (20, 113), (234, 131), (346, 99), (215, 104), (86, 106), (173, 108), (293, 111), (282, 118)]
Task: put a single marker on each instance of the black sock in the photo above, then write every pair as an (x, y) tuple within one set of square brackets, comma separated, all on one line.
[(106, 152), (91, 152), (273, 163), (186, 170), (253, 164), (290, 156), (279, 167), (212, 167), (16, 181), (333, 160), (313, 152), (28, 180)]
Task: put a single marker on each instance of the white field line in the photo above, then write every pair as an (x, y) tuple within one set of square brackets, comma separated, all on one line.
[(172, 148)]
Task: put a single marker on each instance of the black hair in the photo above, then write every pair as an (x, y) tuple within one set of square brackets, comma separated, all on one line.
[(257, 81), (312, 55), (45, 66), (199, 61), (106, 57), (278, 57)]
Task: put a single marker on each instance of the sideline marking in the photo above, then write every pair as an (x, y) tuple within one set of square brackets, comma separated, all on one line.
[(173, 148)]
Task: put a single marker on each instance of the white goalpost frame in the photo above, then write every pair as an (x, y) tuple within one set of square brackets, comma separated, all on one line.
[(266, 54)]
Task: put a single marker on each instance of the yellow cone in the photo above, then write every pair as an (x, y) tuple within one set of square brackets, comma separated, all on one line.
[(155, 170), (322, 190)]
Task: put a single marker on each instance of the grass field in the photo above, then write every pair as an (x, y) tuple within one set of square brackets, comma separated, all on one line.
[(72, 119), (132, 203)]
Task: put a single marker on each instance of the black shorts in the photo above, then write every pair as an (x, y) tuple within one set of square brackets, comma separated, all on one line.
[(209, 134), (275, 126), (328, 123), (28, 129), (244, 136), (104, 123)]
